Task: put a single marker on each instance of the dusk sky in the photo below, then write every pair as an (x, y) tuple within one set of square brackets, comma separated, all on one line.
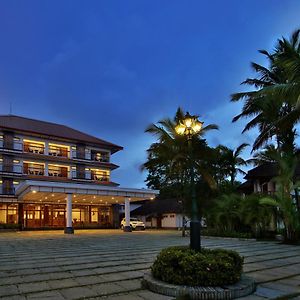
[(110, 68)]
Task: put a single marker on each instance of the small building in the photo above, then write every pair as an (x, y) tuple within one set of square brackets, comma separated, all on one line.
[(261, 179), (160, 213)]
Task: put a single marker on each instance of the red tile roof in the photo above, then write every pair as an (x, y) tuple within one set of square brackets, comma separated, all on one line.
[(12, 122)]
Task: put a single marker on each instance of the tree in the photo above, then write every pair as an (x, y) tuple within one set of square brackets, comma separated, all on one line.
[(168, 161), (230, 161), (282, 200), (256, 215), (273, 103)]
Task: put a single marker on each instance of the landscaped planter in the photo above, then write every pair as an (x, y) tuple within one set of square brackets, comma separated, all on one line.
[(244, 287), (205, 274)]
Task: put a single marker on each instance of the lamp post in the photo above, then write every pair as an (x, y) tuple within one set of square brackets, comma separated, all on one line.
[(189, 127)]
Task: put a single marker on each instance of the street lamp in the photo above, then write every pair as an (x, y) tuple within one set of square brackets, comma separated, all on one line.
[(190, 126)]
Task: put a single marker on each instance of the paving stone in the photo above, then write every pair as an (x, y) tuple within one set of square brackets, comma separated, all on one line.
[(60, 275), (89, 280), (8, 290), (282, 287), (130, 285), (49, 295), (269, 293), (10, 280), (33, 287), (78, 292), (36, 277), (252, 297), (85, 272), (16, 297), (107, 288), (62, 283), (124, 297), (148, 295)]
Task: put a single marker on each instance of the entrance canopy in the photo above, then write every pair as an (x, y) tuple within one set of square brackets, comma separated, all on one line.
[(55, 192)]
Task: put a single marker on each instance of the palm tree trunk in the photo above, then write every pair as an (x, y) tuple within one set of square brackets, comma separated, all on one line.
[(183, 226)]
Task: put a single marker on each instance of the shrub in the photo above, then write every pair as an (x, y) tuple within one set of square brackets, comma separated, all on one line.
[(222, 233), (183, 266)]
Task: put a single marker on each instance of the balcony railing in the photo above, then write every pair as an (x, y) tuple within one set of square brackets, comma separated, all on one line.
[(100, 158), (59, 172), (88, 176), (14, 145), (34, 148), (53, 172), (10, 168), (100, 177), (59, 151), (7, 190), (35, 171)]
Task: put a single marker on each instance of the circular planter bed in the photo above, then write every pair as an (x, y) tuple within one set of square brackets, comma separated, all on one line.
[(208, 274), (244, 287)]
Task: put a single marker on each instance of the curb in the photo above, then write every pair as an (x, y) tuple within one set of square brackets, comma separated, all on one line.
[(244, 287)]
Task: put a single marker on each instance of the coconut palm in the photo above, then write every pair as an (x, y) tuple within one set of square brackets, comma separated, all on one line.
[(288, 59), (282, 200), (231, 161), (227, 212), (256, 215), (171, 154), (272, 104), (169, 158)]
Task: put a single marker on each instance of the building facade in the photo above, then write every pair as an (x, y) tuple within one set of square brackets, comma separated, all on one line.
[(161, 214), (44, 167)]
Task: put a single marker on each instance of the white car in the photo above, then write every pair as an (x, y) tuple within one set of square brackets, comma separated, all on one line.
[(134, 224)]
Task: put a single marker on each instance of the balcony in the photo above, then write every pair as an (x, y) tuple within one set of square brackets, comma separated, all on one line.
[(55, 150), (11, 145), (61, 172), (31, 147), (34, 170), (100, 156), (7, 190), (91, 176), (99, 176), (10, 168)]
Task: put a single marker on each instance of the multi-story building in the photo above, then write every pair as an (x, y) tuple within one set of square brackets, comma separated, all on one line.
[(53, 176)]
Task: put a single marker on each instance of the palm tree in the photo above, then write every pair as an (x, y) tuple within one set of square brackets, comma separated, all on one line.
[(282, 200), (231, 161), (255, 214), (227, 212), (169, 157), (288, 59), (272, 103), (170, 153)]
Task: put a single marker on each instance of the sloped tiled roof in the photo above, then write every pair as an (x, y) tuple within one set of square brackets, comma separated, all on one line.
[(158, 206), (13, 122), (268, 170)]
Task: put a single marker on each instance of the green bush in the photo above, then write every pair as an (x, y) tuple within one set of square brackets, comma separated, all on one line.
[(183, 266), (222, 233), (9, 226)]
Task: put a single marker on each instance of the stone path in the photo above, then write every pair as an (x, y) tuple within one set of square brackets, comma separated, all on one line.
[(109, 264)]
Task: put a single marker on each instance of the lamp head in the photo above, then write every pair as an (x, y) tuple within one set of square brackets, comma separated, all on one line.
[(189, 125)]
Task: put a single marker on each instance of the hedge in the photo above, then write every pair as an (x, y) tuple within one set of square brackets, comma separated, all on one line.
[(209, 267)]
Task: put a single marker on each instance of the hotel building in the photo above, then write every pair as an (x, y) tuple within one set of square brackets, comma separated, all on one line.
[(53, 176)]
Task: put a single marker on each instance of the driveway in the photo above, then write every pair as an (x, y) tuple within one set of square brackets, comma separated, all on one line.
[(109, 264)]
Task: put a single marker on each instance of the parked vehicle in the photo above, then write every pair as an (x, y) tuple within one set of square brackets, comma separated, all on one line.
[(134, 224)]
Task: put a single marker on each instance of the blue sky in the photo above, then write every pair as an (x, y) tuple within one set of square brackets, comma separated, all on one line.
[(110, 68)]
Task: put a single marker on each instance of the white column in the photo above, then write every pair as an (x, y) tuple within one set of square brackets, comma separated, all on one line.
[(46, 150), (69, 228), (127, 215), (46, 170)]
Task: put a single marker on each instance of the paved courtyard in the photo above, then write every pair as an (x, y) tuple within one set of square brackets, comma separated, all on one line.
[(109, 264)]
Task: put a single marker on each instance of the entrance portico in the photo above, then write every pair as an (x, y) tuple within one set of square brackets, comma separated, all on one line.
[(85, 197)]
